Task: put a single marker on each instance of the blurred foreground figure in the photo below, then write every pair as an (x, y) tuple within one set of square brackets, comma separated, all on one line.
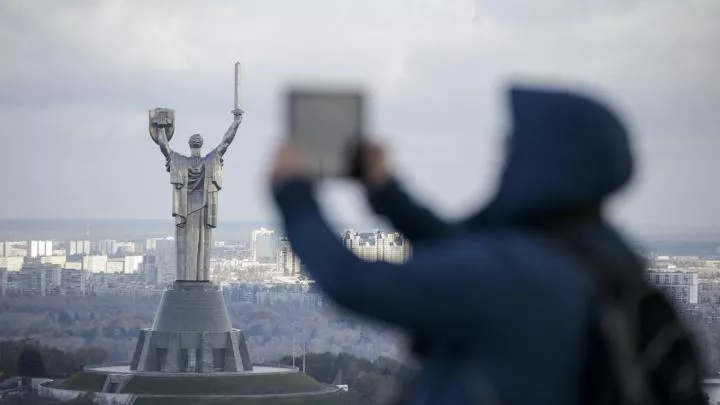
[(536, 298)]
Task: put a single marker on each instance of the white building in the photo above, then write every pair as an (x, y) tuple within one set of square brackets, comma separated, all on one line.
[(126, 247), (115, 265), (33, 248), (74, 265), (79, 247), (12, 263), (12, 249), (37, 248), (132, 264), (107, 247), (377, 246), (264, 245), (151, 243), (95, 263)]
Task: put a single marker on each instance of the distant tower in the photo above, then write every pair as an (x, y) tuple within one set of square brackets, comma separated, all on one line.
[(264, 245)]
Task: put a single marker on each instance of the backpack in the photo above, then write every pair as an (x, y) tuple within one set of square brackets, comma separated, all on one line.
[(650, 357)]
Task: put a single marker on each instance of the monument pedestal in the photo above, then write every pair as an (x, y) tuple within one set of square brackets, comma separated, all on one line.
[(191, 333)]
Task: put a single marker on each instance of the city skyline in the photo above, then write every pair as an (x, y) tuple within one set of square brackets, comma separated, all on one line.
[(437, 99)]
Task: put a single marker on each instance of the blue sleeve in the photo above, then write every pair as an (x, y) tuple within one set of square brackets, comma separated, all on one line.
[(420, 295), (415, 222)]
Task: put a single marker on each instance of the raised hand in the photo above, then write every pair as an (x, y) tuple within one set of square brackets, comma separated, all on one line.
[(238, 114), (161, 121)]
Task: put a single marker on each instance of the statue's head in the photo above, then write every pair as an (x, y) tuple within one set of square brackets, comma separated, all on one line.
[(195, 141)]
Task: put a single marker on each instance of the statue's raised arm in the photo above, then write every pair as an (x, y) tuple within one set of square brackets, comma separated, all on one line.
[(164, 144), (230, 133)]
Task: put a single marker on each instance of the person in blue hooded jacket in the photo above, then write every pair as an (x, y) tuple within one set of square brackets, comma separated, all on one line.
[(503, 315)]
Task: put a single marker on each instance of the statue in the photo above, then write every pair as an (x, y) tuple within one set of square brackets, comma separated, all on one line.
[(196, 181)]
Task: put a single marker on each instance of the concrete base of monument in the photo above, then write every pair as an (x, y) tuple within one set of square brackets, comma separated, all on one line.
[(192, 332), (117, 384), (193, 355)]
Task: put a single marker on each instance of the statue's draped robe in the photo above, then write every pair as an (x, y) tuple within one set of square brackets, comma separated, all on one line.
[(196, 182)]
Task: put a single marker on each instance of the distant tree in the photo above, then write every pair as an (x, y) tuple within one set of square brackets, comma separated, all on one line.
[(65, 318), (89, 355), (30, 363)]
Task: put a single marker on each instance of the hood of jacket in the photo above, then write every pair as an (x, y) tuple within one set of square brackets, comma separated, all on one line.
[(566, 153)]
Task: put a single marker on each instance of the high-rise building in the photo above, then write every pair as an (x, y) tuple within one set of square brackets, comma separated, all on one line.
[(264, 245), (53, 277), (288, 261), (33, 248), (38, 279), (3, 281), (79, 247), (166, 260), (125, 248), (132, 264), (38, 248), (151, 243), (107, 247), (149, 267), (73, 281)]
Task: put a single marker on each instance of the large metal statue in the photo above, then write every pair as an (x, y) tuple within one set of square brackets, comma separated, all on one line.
[(196, 181)]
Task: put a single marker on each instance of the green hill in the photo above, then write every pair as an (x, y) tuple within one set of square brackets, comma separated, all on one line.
[(337, 398)]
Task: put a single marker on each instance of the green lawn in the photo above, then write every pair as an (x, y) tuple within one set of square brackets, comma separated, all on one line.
[(84, 382), (224, 385)]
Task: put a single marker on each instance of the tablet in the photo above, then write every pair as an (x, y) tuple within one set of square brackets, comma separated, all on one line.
[(328, 125)]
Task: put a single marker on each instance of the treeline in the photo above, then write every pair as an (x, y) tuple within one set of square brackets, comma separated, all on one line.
[(370, 382), (114, 323), (29, 358)]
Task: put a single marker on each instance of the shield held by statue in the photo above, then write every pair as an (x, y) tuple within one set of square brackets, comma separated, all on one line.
[(161, 118)]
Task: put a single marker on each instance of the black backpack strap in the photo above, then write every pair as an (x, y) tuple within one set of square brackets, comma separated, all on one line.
[(651, 356), (618, 322)]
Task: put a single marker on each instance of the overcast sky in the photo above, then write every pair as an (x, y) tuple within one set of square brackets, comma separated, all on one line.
[(77, 78)]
